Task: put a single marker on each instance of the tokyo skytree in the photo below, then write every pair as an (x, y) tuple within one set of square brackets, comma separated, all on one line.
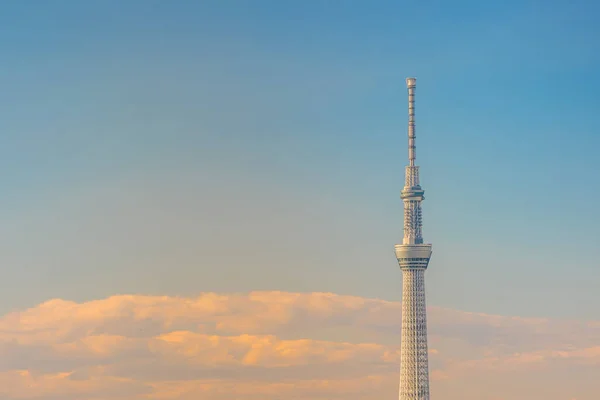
[(413, 257)]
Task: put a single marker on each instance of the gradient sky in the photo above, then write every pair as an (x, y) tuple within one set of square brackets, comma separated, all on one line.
[(170, 148), (199, 199)]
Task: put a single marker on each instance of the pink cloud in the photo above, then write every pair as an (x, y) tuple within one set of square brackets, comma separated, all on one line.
[(274, 344)]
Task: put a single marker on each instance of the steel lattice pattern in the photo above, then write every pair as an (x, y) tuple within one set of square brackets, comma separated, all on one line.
[(412, 176), (414, 370), (413, 220)]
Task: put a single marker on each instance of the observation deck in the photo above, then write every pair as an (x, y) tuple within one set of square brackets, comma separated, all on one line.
[(413, 256), (412, 193)]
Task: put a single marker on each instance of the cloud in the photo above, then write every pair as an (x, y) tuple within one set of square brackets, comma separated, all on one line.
[(271, 345)]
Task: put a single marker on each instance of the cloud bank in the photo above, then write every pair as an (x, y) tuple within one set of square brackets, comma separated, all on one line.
[(277, 345)]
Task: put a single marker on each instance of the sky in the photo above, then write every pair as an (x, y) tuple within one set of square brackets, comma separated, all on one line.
[(170, 151)]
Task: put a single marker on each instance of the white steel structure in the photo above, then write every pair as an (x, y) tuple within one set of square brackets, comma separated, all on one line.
[(413, 258)]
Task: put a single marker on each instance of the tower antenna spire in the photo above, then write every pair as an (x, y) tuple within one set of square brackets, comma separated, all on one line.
[(411, 84)]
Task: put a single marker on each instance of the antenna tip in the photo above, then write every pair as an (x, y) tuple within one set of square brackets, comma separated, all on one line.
[(411, 82)]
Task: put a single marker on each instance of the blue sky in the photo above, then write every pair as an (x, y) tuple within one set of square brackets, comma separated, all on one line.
[(178, 147)]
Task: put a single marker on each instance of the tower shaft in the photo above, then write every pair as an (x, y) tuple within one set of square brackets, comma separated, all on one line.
[(413, 258), (414, 371)]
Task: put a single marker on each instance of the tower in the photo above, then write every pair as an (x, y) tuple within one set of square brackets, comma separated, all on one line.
[(413, 257)]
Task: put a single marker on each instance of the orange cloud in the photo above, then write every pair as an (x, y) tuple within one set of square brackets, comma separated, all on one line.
[(274, 345)]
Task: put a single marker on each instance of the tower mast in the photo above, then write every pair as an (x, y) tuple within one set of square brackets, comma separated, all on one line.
[(411, 84), (413, 258)]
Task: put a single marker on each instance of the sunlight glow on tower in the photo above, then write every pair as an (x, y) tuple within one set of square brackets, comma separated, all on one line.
[(413, 257)]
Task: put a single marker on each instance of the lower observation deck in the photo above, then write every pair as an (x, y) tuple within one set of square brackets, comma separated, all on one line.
[(413, 256)]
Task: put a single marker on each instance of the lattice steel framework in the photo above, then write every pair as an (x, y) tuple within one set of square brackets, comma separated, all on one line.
[(413, 257)]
